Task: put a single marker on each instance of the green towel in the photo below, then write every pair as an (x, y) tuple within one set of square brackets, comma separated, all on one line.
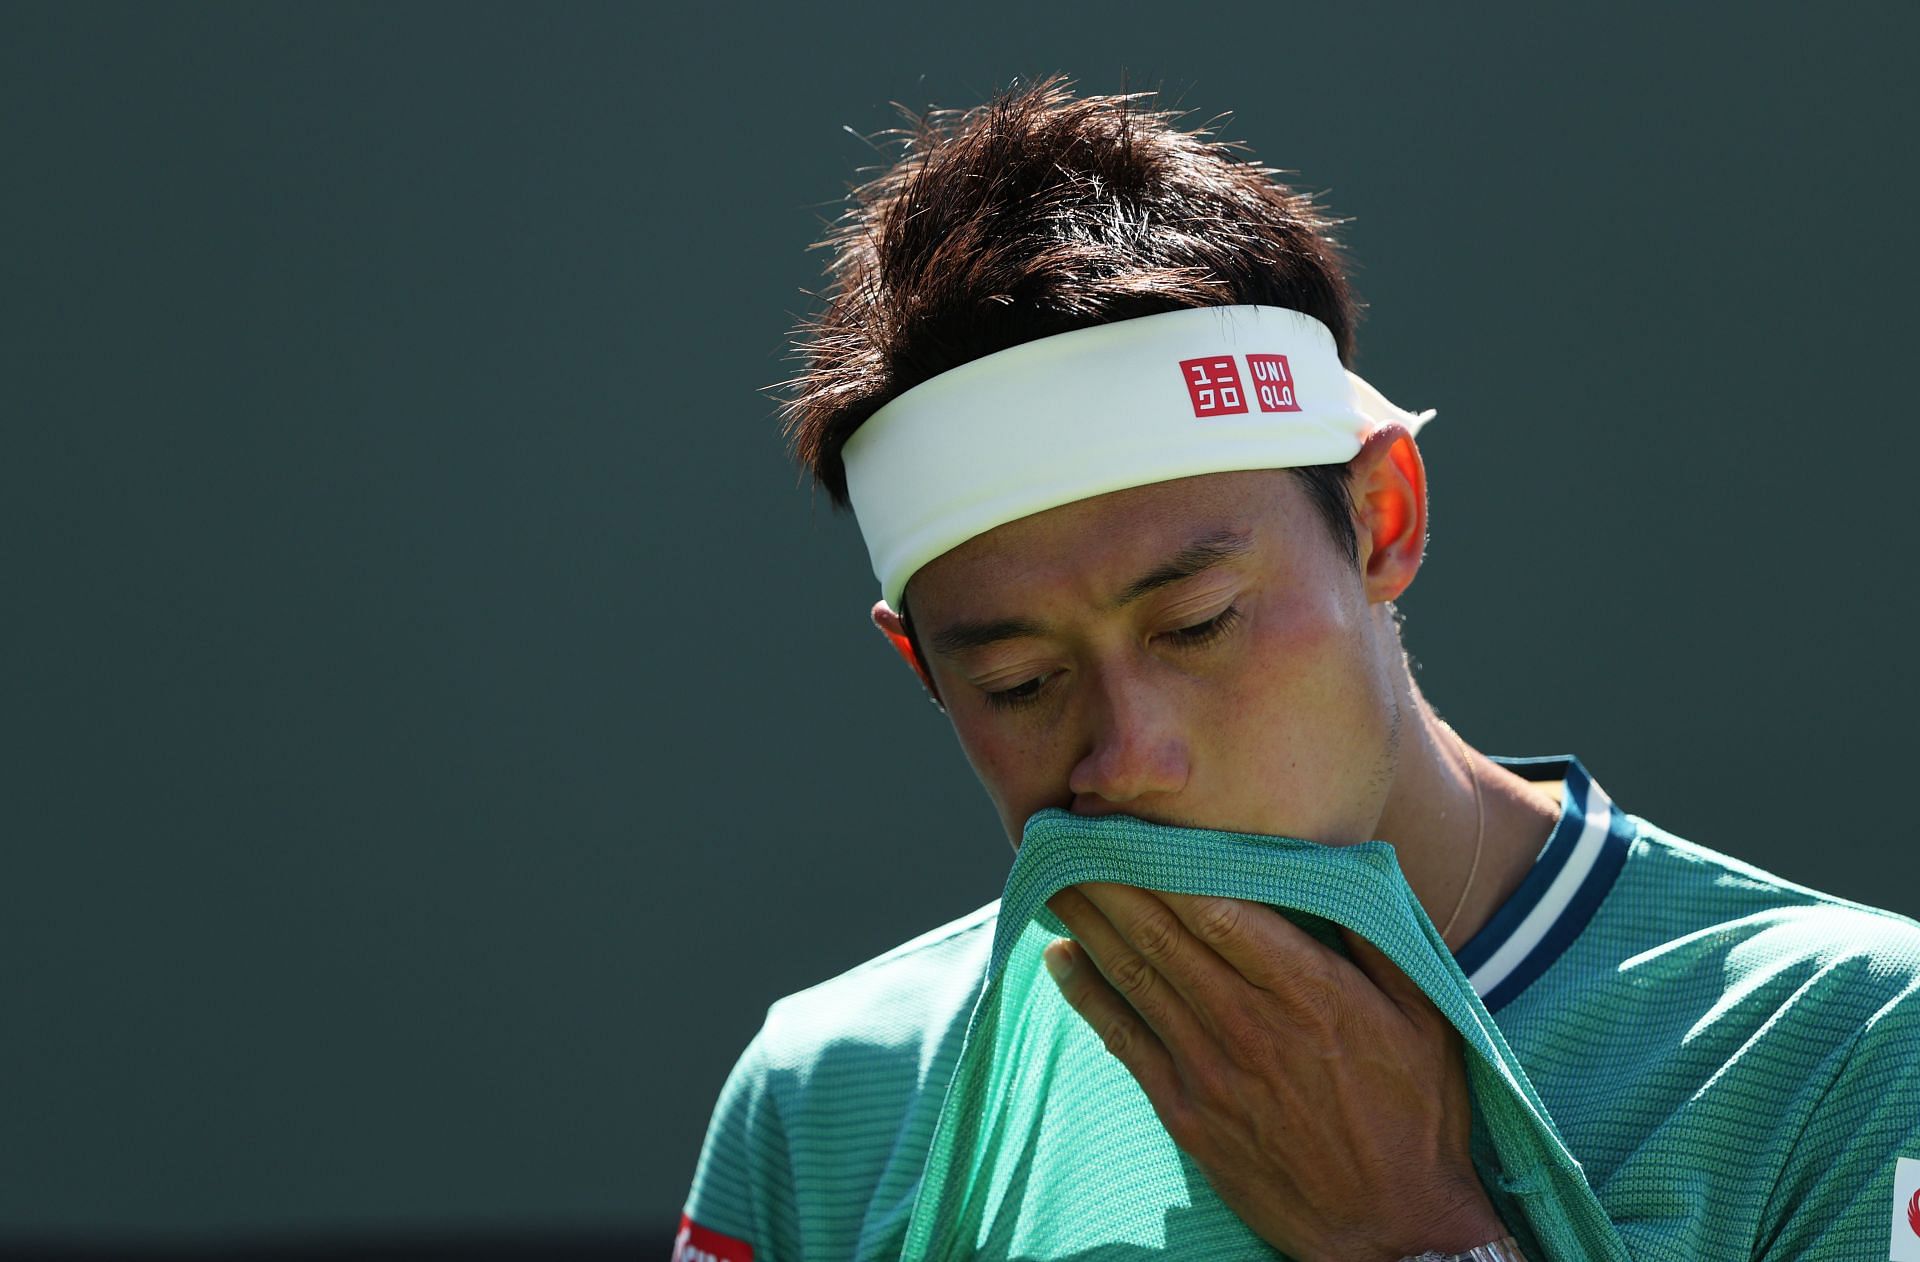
[(1045, 1146)]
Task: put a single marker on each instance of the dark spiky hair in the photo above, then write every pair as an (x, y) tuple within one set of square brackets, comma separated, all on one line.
[(1038, 213)]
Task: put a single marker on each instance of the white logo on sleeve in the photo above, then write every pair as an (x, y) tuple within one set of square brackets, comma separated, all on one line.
[(1906, 1211)]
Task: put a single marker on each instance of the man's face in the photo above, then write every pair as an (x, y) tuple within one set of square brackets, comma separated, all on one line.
[(1091, 658)]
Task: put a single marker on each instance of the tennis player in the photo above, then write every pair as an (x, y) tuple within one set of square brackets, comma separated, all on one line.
[(1084, 379)]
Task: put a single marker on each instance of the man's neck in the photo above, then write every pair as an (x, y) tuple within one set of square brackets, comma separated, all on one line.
[(1430, 818)]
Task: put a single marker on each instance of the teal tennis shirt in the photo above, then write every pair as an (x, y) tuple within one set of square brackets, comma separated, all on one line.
[(1732, 1059)]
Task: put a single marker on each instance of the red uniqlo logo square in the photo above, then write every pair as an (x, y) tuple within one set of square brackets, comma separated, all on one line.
[(1214, 385), (1272, 383)]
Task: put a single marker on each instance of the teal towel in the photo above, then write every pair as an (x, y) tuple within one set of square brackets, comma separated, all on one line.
[(1046, 1148)]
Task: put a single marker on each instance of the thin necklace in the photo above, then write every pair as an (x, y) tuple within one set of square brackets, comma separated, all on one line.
[(1480, 830)]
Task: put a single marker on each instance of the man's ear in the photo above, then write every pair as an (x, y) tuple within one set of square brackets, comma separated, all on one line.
[(1389, 484), (896, 632)]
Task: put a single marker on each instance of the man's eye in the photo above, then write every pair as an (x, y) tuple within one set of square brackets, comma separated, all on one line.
[(1206, 632), (1018, 695)]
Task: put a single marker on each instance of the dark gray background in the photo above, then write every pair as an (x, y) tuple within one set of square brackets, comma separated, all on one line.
[(440, 721)]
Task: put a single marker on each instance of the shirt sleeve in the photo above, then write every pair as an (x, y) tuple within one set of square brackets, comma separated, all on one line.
[(1835, 1196), (741, 1207)]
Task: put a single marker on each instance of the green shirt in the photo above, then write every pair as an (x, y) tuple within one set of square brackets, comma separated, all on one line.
[(1733, 1060)]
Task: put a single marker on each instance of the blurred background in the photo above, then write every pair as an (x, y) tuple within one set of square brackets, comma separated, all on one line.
[(440, 721)]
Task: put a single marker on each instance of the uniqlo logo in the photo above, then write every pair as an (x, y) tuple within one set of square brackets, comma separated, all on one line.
[(1272, 383), (695, 1243), (1214, 385)]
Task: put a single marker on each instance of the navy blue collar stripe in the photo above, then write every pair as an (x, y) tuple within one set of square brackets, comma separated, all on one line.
[(1579, 912), (1569, 878), (1474, 953), (1547, 867)]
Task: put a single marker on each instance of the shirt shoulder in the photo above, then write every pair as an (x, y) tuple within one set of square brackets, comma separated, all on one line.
[(897, 1001), (1681, 895), (1696, 933), (1717, 1017), (817, 1140)]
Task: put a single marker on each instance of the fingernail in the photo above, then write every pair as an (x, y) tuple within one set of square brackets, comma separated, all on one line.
[(1057, 961)]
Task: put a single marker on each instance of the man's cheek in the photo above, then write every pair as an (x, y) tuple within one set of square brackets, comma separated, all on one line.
[(1304, 622), (1306, 691), (1290, 651), (1012, 771)]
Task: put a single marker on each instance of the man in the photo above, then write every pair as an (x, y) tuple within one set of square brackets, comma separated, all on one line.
[(1082, 378)]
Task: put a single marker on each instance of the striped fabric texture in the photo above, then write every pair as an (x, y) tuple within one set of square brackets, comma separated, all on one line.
[(1678, 1056)]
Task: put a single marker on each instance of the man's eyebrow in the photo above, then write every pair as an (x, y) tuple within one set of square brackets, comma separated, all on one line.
[(1202, 554), (962, 636)]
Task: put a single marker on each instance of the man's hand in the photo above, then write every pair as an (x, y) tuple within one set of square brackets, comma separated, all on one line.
[(1325, 1099)]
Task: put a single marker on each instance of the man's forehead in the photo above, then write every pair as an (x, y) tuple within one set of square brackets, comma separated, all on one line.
[(1102, 551)]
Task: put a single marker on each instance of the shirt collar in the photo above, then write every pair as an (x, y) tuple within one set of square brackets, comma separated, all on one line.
[(1570, 876)]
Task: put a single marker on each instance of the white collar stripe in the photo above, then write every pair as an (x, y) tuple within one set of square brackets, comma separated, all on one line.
[(1531, 931), (1570, 878)]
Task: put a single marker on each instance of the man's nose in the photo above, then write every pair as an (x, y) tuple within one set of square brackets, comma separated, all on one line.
[(1135, 747)]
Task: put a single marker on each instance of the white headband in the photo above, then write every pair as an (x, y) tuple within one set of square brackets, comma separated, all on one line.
[(1078, 414)]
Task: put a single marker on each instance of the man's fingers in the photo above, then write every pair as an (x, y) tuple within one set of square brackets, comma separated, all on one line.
[(1129, 970), (1114, 1020), (1180, 960), (1260, 944), (1271, 952), (1150, 924)]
